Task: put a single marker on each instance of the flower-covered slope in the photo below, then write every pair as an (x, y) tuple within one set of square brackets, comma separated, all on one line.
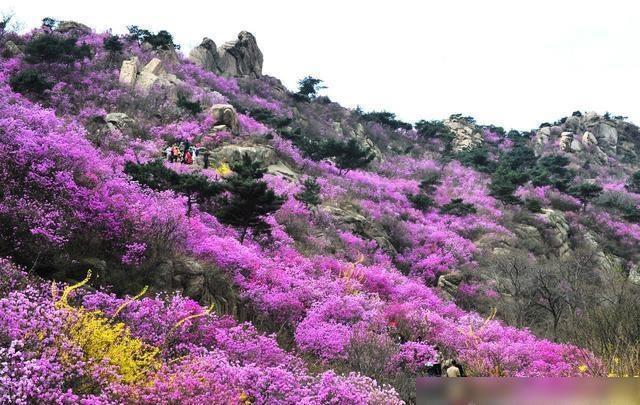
[(350, 277)]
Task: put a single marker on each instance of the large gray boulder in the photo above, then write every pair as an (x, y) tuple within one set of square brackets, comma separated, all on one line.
[(206, 55), (225, 114), (557, 231), (119, 121), (233, 153), (152, 75), (348, 218), (239, 58), (465, 135), (73, 27), (129, 72), (634, 275), (204, 283), (607, 136), (11, 49), (282, 170)]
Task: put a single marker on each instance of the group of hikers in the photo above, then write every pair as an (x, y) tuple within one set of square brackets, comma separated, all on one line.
[(185, 153), (448, 368), (438, 368)]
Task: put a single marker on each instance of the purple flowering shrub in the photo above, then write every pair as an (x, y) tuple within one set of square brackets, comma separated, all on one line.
[(202, 355)]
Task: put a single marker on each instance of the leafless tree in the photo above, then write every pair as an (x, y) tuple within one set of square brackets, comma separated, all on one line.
[(513, 275)]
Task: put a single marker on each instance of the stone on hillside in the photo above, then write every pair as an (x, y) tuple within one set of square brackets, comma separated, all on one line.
[(607, 136), (12, 49), (542, 136), (572, 124), (591, 117), (558, 235), (282, 170), (565, 141), (119, 120), (465, 136), (546, 131), (449, 283), (529, 236), (634, 275), (348, 218), (241, 57), (360, 134), (225, 114), (74, 27), (576, 146), (233, 153), (206, 55), (153, 74), (204, 284), (129, 72), (168, 55), (588, 139), (145, 82), (555, 130), (154, 67)]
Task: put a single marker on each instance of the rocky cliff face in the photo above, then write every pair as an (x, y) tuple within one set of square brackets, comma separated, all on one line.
[(239, 58), (592, 138)]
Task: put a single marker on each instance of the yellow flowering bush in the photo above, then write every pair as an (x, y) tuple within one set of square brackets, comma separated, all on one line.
[(102, 339), (224, 169)]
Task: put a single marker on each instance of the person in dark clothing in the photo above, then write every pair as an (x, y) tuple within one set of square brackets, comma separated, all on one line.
[(435, 369), (205, 157)]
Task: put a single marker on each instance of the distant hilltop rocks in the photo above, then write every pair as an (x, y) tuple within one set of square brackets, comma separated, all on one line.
[(240, 58), (591, 134)]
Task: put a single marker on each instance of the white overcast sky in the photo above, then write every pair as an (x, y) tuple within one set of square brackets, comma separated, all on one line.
[(511, 63)]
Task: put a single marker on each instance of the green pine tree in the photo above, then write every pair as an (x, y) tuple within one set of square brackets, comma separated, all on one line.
[(458, 207), (421, 201), (247, 199), (585, 192), (310, 193), (349, 154)]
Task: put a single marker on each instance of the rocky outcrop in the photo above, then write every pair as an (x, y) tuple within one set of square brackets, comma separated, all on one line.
[(225, 114), (233, 153), (73, 27), (557, 232), (448, 284), (465, 135), (349, 219), (529, 237), (205, 284), (11, 49), (592, 136), (365, 142), (119, 120), (634, 274), (152, 75), (607, 136), (206, 55), (129, 72), (240, 58), (282, 170)]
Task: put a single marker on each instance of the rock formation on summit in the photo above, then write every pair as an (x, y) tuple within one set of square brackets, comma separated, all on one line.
[(240, 57)]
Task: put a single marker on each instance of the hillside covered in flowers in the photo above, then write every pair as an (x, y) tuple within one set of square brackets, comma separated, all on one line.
[(179, 228)]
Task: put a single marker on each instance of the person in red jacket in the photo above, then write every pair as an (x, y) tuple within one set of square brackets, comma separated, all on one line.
[(188, 159)]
